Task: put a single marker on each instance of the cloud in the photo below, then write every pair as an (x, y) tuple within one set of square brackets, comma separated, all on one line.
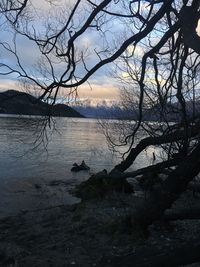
[(198, 28), (6, 84), (138, 50), (102, 86), (96, 92), (103, 91)]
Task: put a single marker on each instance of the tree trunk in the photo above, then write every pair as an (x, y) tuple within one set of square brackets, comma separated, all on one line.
[(164, 195)]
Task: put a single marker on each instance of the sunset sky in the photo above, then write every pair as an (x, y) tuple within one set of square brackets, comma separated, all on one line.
[(96, 92), (101, 86)]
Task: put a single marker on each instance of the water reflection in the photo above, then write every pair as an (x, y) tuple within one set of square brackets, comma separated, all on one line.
[(23, 166), (26, 172)]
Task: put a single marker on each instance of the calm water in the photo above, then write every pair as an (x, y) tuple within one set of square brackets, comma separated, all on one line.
[(23, 166)]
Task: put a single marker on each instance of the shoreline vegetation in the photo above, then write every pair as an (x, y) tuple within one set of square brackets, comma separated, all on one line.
[(98, 232)]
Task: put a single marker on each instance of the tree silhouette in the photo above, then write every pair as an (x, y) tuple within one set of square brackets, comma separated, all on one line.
[(167, 70)]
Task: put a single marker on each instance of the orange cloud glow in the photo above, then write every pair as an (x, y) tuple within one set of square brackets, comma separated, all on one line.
[(101, 92)]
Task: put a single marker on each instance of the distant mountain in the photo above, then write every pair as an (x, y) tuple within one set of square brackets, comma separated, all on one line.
[(170, 111), (100, 111), (15, 102)]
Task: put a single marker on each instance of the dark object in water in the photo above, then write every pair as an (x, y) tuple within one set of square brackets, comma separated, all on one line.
[(81, 167), (84, 166), (37, 186)]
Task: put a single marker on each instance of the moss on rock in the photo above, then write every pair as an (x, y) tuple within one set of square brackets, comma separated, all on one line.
[(100, 184)]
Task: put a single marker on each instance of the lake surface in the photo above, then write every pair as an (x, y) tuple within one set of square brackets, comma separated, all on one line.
[(29, 163)]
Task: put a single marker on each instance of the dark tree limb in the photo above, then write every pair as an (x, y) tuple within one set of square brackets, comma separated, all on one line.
[(134, 39), (189, 17), (153, 168), (148, 141), (163, 195)]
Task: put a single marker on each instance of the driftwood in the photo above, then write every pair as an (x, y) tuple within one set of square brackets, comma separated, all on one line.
[(176, 255)]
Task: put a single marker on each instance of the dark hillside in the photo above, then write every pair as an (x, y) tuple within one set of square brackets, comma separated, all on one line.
[(14, 102)]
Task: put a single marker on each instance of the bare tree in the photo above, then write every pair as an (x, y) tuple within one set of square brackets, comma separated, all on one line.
[(165, 72), (59, 41)]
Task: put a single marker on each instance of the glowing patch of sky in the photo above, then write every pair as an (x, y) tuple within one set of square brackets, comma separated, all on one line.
[(92, 39), (29, 54)]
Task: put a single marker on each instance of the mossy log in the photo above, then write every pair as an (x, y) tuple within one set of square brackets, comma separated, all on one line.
[(100, 184)]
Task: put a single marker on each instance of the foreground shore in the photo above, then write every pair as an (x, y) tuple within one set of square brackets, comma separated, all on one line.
[(90, 233)]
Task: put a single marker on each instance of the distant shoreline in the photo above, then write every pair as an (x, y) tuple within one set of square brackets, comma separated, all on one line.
[(21, 103)]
